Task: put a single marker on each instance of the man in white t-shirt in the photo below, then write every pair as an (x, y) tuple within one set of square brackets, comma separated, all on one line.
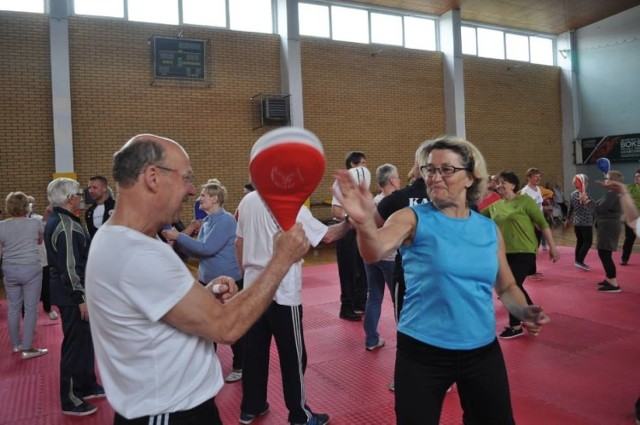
[(353, 279), (102, 207), (283, 318), (153, 324)]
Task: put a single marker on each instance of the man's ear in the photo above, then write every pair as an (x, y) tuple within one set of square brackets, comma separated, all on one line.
[(150, 177)]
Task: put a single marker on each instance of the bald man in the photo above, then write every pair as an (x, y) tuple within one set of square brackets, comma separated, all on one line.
[(153, 324)]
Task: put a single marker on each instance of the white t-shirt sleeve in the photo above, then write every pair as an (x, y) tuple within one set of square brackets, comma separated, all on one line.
[(313, 228), (155, 282), (334, 200)]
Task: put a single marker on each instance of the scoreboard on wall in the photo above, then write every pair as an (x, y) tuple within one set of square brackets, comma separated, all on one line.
[(177, 57)]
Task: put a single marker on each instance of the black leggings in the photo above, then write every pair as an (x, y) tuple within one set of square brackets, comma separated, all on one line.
[(629, 239), (607, 262), (584, 239), (424, 373), (520, 265)]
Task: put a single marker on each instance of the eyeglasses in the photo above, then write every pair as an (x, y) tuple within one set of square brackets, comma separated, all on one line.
[(445, 172), (79, 193), (188, 179)]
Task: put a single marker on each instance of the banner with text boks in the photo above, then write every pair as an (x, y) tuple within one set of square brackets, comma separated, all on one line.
[(620, 148)]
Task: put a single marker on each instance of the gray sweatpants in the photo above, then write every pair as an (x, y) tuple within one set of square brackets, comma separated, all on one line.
[(23, 285)]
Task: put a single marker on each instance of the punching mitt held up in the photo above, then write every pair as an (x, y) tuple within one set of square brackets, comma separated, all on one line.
[(286, 165), (604, 165)]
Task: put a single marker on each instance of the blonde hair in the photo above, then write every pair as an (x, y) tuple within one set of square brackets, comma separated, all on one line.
[(471, 158), (17, 204), (215, 188)]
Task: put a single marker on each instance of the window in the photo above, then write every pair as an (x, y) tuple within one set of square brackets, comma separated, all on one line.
[(34, 6), (314, 20), (386, 29), (211, 13), (542, 50), (517, 47), (110, 8), (490, 43), (469, 45), (419, 33), (155, 11), (251, 15), (349, 24)]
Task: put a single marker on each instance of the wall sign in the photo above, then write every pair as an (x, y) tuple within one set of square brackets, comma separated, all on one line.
[(176, 57), (621, 148)]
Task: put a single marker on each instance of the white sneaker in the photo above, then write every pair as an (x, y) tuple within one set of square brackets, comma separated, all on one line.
[(235, 375), (34, 352), (375, 347), (17, 348), (53, 315)]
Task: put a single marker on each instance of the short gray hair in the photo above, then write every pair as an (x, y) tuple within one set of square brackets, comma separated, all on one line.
[(384, 173), (60, 189), (139, 152)]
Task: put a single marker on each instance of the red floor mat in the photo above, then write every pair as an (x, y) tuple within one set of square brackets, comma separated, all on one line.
[(584, 368)]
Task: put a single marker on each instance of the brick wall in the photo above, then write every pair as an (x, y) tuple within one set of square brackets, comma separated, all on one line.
[(383, 101), (513, 115), (26, 126), (378, 99)]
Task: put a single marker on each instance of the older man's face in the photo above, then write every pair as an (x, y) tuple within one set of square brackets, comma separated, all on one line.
[(177, 172)]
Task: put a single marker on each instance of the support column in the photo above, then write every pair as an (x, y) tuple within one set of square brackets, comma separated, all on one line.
[(451, 46), (290, 61), (570, 107), (61, 86)]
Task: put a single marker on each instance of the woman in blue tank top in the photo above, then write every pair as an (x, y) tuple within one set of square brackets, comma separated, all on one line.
[(453, 259)]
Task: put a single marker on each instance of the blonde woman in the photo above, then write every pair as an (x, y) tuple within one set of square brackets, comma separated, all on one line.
[(19, 240)]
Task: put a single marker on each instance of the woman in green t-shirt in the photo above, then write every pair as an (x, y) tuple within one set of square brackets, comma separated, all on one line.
[(517, 216)]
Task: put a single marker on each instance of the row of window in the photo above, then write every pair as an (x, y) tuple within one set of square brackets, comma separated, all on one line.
[(334, 21)]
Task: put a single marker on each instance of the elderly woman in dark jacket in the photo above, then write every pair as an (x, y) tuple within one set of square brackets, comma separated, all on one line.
[(608, 228)]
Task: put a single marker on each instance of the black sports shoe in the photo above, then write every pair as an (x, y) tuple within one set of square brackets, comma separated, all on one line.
[(316, 419), (83, 409), (510, 332), (350, 315), (247, 418), (607, 287)]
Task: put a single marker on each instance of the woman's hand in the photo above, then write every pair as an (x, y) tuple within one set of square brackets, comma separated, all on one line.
[(554, 254), (193, 228), (356, 199), (171, 234), (534, 318)]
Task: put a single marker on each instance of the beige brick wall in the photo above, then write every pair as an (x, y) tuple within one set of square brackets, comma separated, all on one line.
[(26, 126), (381, 100), (513, 115)]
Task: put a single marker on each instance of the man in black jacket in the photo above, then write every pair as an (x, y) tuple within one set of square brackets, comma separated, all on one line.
[(102, 207), (67, 245)]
